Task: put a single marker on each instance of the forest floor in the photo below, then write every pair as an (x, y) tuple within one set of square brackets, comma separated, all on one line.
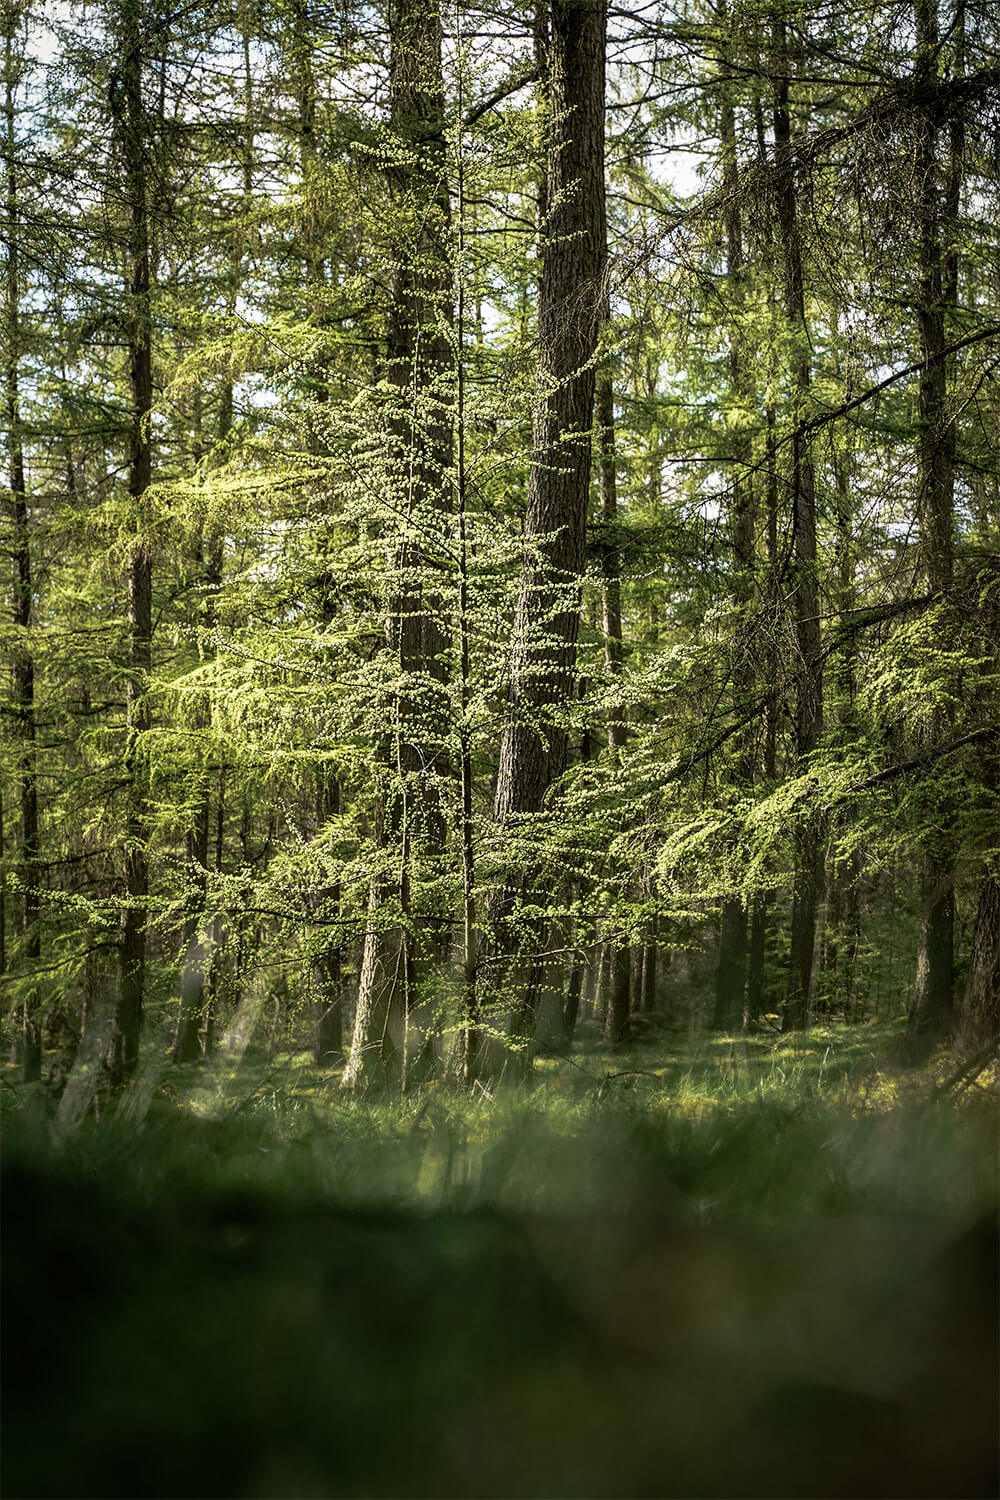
[(693, 1266)]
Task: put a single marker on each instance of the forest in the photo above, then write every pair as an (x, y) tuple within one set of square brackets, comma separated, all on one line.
[(500, 747)]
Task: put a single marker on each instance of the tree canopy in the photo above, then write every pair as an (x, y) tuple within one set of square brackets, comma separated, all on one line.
[(504, 517)]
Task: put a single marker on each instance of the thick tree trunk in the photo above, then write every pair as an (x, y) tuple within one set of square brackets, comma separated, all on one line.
[(130, 132), (23, 664), (419, 366), (533, 745)]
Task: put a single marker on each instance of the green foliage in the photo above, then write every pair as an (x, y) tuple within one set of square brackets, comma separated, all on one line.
[(307, 1294)]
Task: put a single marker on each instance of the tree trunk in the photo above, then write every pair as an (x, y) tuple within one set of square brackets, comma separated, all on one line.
[(23, 664), (760, 917), (731, 971), (533, 745), (616, 1021), (187, 1046), (731, 974), (650, 954), (611, 594), (130, 131), (981, 1015), (327, 966), (419, 365), (809, 706), (932, 1010)]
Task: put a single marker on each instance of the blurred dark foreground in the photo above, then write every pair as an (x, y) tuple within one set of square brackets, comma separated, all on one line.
[(772, 1305)]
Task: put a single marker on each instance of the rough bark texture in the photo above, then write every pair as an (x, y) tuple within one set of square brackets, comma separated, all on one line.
[(129, 127), (533, 745), (418, 365)]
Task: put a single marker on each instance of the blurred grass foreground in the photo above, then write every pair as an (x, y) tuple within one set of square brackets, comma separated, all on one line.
[(728, 1271)]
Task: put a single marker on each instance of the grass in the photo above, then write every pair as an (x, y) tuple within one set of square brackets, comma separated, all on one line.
[(694, 1267)]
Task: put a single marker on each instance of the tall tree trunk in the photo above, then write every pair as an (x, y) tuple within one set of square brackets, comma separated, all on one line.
[(809, 706), (932, 1010), (533, 746), (730, 982), (23, 665), (130, 134), (611, 593), (419, 366)]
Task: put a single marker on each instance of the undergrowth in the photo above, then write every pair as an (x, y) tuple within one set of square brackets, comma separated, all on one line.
[(721, 1266)]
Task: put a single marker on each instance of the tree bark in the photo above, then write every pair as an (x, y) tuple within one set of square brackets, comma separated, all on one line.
[(611, 593), (23, 664), (809, 706), (731, 971), (932, 1010), (419, 365), (616, 1021), (981, 1014), (533, 745), (129, 127)]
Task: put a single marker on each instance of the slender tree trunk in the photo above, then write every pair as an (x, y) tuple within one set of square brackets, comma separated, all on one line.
[(470, 999), (23, 664), (730, 978), (577, 969), (533, 745), (611, 594), (327, 967), (187, 1046), (650, 957), (932, 1010), (130, 134), (616, 1025), (3, 891), (218, 935), (809, 707), (757, 957), (419, 366), (841, 930), (731, 971), (760, 917)]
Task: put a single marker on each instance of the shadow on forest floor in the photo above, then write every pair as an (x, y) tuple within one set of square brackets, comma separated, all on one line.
[(644, 1276)]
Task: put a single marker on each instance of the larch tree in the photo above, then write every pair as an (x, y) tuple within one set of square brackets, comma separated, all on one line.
[(571, 297), (419, 368)]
